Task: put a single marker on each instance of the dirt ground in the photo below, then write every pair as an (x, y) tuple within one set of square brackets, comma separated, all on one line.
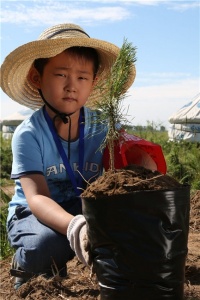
[(80, 285)]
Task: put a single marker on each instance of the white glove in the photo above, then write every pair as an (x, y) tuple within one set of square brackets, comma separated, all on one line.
[(78, 239)]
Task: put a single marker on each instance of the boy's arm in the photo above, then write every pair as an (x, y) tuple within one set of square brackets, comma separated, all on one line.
[(42, 206), (53, 215)]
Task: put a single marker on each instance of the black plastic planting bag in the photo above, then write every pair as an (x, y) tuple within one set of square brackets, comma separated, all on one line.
[(139, 243)]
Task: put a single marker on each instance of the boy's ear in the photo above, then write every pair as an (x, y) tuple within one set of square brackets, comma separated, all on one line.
[(34, 77)]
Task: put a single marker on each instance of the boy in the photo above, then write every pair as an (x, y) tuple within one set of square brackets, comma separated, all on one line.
[(56, 150)]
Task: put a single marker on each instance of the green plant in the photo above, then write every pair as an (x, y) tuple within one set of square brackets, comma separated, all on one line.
[(151, 133), (6, 250), (183, 160), (114, 92), (6, 164), (6, 158)]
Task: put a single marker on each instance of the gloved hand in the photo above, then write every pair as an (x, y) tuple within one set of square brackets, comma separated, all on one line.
[(78, 239)]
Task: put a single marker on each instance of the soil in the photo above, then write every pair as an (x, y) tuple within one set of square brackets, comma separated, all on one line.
[(130, 179), (79, 283)]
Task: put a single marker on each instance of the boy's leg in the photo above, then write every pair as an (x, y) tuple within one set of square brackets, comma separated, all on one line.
[(38, 247)]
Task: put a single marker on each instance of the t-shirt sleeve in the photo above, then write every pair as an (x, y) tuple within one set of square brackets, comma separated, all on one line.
[(27, 154)]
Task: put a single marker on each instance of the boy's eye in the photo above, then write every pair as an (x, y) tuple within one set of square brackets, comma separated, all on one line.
[(62, 75)]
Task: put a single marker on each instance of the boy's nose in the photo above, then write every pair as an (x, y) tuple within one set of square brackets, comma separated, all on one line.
[(70, 85)]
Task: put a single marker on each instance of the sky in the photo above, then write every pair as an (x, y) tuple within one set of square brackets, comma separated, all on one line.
[(165, 33)]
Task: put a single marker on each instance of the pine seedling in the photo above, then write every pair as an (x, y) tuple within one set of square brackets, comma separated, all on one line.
[(113, 93)]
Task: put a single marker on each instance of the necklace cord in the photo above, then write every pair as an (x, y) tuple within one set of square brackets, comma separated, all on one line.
[(79, 183), (64, 117), (69, 133)]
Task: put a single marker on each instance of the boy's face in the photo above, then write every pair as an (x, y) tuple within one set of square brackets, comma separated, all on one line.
[(67, 82)]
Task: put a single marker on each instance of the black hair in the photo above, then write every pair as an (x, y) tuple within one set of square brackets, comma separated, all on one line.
[(87, 53)]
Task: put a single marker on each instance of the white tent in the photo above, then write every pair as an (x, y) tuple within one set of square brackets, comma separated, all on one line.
[(186, 122), (10, 123)]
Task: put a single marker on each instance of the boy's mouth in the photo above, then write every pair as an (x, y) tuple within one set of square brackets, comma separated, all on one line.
[(69, 99)]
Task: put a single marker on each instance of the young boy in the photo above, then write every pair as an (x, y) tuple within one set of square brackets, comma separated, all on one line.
[(56, 150)]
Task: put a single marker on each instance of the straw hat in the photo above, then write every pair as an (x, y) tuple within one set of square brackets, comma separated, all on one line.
[(51, 42)]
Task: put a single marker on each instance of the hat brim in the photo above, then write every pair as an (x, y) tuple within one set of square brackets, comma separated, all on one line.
[(17, 64)]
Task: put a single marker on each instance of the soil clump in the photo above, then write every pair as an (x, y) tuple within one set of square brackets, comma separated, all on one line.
[(129, 179)]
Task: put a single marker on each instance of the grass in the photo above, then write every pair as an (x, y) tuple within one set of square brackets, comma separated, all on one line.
[(6, 250)]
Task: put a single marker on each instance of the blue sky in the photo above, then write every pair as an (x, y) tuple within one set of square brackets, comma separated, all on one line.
[(166, 34)]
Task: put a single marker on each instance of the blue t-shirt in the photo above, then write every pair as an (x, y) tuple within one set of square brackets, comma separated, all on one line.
[(35, 152)]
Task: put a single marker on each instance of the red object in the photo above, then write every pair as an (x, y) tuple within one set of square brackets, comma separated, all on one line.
[(131, 149)]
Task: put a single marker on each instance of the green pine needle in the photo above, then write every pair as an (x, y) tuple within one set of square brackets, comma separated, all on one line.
[(114, 92)]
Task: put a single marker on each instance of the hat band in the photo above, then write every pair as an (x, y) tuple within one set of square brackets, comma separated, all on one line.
[(67, 29)]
